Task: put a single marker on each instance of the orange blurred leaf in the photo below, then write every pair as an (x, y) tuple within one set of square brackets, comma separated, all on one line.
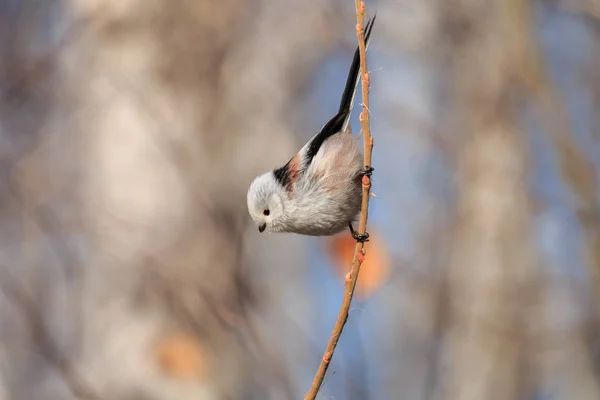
[(375, 268), (181, 356)]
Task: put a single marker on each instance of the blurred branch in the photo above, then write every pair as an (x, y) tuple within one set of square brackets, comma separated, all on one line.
[(591, 81), (42, 340), (587, 8), (20, 76), (41, 216), (576, 168), (359, 253), (578, 172)]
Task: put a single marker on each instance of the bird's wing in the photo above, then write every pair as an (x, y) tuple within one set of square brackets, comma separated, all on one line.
[(289, 173)]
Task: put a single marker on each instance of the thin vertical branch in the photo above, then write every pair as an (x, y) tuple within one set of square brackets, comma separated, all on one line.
[(359, 251)]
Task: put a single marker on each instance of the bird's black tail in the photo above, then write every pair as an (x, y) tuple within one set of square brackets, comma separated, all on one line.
[(352, 82), (340, 121)]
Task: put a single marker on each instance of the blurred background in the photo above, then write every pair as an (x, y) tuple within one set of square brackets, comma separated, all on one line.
[(130, 131)]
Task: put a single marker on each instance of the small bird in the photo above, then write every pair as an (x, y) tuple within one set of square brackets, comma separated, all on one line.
[(318, 192)]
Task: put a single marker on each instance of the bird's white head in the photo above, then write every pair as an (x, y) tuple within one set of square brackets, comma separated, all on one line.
[(266, 199)]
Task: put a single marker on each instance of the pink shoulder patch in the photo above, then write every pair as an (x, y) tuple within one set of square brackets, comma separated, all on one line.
[(294, 169)]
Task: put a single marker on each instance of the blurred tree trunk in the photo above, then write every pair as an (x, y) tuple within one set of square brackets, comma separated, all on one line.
[(492, 268), (171, 108)]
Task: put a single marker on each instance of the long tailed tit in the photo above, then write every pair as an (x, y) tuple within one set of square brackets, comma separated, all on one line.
[(318, 192)]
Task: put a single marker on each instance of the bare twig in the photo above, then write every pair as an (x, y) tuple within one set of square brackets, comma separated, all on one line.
[(359, 251)]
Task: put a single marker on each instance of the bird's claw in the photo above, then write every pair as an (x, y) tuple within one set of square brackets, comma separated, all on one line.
[(359, 237), (367, 171)]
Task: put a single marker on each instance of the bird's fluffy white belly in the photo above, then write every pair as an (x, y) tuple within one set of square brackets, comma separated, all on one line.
[(328, 195)]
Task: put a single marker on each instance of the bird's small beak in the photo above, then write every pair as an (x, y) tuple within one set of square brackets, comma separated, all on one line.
[(261, 228)]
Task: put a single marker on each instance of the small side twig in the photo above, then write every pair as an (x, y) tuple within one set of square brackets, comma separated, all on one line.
[(359, 251)]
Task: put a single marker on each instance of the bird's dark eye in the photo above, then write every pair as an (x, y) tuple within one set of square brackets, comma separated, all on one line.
[(266, 212)]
